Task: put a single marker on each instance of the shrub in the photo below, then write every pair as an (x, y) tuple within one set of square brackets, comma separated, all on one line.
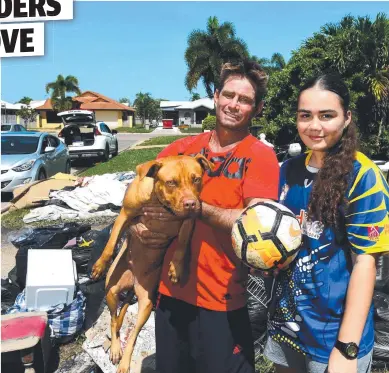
[(209, 123)]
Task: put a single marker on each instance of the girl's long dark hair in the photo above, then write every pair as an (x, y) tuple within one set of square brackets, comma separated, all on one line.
[(328, 195)]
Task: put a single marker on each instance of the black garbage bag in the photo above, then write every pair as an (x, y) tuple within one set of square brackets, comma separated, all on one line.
[(258, 317), (381, 328), (53, 237), (381, 306), (257, 309), (100, 239), (381, 341), (382, 277), (9, 292)]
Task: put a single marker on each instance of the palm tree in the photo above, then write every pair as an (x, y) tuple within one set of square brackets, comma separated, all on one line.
[(60, 88), (276, 63), (208, 50)]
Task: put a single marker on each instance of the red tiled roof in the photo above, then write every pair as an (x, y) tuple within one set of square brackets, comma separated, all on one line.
[(90, 100)]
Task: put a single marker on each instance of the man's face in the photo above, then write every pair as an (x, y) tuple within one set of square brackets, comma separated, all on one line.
[(235, 104)]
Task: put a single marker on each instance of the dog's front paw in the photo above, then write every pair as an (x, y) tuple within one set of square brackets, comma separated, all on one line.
[(175, 272), (115, 353), (98, 269), (124, 366)]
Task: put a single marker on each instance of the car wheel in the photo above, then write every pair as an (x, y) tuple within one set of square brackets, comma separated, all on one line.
[(116, 151), (42, 175), (105, 156), (68, 167)]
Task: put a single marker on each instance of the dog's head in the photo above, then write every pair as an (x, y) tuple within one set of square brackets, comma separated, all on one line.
[(178, 181)]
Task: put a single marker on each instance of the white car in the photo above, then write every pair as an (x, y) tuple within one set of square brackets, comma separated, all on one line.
[(86, 138)]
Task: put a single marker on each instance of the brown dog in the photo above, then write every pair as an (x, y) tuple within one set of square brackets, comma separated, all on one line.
[(175, 183)]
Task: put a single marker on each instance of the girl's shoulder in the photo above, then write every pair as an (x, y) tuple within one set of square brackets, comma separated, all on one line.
[(364, 165)]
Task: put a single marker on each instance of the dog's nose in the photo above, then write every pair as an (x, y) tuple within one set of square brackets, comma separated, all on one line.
[(189, 204)]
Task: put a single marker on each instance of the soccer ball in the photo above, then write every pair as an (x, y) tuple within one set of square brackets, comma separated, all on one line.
[(267, 235)]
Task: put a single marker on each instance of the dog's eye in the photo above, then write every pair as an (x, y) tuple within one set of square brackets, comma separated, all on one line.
[(171, 183), (197, 180)]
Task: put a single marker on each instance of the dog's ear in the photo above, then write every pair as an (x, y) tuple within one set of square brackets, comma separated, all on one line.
[(148, 169), (204, 162)]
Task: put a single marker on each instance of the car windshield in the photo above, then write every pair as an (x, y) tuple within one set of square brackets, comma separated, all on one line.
[(5, 127), (19, 144)]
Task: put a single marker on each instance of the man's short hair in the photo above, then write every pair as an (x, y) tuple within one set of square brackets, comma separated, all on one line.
[(246, 69)]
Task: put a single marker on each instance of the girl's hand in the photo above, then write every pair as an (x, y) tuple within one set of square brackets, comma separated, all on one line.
[(339, 364)]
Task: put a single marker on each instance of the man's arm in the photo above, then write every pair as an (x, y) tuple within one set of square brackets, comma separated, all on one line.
[(222, 218)]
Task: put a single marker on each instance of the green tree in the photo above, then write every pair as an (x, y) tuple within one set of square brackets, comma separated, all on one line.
[(208, 50), (195, 96), (275, 63), (59, 90), (147, 107), (24, 100), (125, 100), (28, 114), (356, 48)]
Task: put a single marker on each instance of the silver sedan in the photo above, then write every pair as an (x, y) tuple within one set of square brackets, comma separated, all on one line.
[(30, 156)]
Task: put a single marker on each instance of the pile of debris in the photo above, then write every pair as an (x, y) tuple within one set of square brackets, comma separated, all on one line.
[(66, 321), (68, 197)]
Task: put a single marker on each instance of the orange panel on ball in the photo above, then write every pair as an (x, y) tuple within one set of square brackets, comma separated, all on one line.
[(267, 251)]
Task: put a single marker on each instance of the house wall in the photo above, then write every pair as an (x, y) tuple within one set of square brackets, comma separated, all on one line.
[(109, 117), (182, 119)]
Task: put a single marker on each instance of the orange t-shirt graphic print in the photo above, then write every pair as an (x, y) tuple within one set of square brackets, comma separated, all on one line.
[(217, 278)]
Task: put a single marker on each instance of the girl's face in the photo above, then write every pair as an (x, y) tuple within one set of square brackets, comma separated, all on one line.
[(321, 118)]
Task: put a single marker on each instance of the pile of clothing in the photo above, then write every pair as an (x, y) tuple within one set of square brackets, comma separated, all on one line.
[(67, 197)]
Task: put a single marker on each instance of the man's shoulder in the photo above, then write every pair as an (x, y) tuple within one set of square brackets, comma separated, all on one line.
[(253, 145), (189, 140)]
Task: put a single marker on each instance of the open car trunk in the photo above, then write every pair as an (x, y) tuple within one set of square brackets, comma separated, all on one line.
[(79, 134), (79, 127)]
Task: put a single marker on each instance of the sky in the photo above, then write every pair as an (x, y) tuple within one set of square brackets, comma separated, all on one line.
[(121, 48)]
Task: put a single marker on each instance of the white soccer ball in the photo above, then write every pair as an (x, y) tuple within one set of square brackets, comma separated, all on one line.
[(266, 236)]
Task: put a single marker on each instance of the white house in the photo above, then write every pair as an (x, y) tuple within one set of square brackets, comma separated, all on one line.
[(187, 112), (10, 112)]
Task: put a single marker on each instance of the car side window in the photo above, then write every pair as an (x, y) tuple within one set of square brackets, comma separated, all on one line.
[(45, 144), (54, 142), (105, 128), (16, 128)]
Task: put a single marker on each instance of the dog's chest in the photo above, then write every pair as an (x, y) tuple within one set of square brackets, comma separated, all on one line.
[(170, 228)]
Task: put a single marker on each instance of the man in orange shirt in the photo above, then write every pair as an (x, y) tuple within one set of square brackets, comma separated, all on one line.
[(202, 325)]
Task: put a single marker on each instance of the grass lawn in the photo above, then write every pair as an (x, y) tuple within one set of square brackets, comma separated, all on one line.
[(125, 161), (192, 130), (133, 130), (161, 140), (14, 219)]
